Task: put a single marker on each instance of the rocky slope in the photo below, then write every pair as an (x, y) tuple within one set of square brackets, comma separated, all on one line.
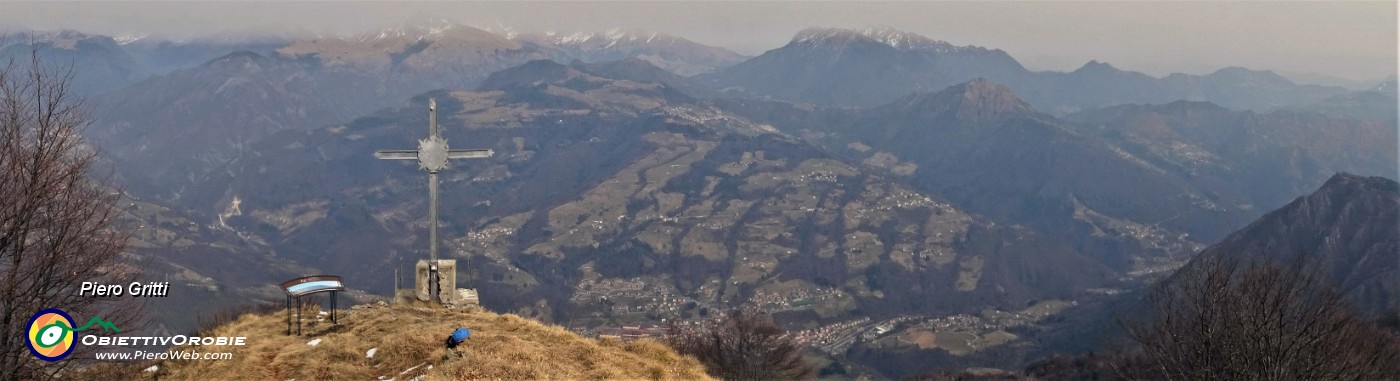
[(1347, 230)]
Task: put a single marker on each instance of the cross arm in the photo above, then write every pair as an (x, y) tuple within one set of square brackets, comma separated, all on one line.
[(469, 153), (396, 154)]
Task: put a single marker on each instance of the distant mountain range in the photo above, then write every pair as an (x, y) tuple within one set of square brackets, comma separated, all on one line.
[(1259, 159), (247, 95), (98, 62), (1328, 80), (1377, 103), (674, 54), (105, 63), (271, 85), (845, 67), (829, 66)]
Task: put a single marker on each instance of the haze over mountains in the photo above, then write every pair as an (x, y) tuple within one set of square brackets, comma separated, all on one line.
[(307, 82), (861, 184), (844, 67)]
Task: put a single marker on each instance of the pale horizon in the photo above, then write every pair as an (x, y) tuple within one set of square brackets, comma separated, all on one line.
[(1355, 41)]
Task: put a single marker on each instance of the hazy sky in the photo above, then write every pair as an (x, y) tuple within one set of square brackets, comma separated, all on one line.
[(1351, 40)]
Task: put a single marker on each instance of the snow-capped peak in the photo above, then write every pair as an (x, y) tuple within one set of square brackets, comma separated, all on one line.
[(420, 26), (606, 38), (616, 34), (575, 38), (904, 40), (500, 28), (128, 38), (895, 38)]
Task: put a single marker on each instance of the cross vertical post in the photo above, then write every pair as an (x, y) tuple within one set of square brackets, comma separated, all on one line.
[(433, 185)]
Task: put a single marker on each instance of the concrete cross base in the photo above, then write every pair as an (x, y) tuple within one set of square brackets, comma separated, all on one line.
[(446, 285)]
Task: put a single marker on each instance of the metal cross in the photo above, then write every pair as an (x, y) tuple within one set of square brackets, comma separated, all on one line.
[(432, 155)]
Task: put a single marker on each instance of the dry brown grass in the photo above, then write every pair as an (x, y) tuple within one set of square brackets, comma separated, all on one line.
[(505, 347)]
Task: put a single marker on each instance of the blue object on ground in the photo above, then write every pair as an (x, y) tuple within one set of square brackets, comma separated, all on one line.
[(461, 334)]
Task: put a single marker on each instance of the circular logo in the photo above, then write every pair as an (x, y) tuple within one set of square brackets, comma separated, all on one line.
[(51, 334)]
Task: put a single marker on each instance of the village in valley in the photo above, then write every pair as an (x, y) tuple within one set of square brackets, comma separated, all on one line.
[(633, 309)]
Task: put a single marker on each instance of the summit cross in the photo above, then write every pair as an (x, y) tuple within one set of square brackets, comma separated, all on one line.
[(433, 155)]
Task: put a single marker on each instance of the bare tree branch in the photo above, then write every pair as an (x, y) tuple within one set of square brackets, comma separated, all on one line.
[(54, 219), (742, 345), (1223, 318)]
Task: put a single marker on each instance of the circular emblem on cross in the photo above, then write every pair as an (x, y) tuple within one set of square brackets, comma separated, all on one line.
[(432, 154)]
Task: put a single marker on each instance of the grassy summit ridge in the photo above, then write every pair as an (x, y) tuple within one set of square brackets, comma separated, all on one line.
[(410, 346)]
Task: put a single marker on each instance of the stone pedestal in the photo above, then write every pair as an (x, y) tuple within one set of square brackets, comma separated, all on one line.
[(447, 280)]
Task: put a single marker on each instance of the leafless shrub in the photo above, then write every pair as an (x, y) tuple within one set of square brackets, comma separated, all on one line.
[(1223, 319), (742, 345)]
